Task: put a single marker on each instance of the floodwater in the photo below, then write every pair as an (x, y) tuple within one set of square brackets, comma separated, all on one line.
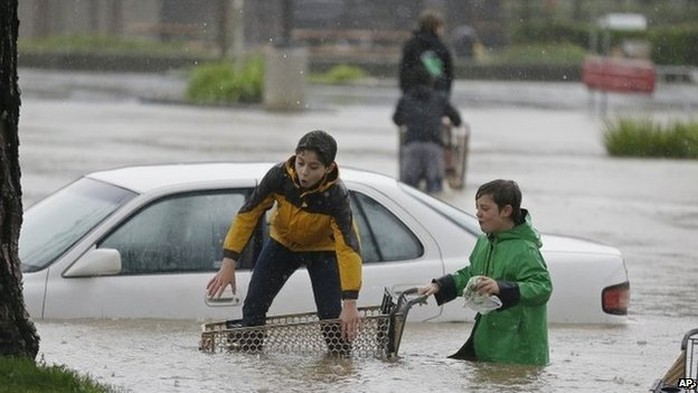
[(646, 207), (163, 356)]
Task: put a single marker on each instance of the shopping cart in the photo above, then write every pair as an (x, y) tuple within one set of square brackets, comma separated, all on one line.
[(379, 335), (682, 376), (455, 143)]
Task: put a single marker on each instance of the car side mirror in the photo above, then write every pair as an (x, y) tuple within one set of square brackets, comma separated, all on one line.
[(96, 262)]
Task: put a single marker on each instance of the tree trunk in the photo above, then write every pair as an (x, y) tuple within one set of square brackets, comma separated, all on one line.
[(18, 336)]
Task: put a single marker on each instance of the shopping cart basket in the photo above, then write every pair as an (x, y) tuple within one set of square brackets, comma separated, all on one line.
[(379, 335)]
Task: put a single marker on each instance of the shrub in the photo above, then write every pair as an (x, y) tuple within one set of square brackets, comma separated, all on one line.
[(340, 75), (556, 32), (219, 83), (645, 138), (675, 45), (670, 44)]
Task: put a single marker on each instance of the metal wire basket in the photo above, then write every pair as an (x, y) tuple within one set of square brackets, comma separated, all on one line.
[(379, 335)]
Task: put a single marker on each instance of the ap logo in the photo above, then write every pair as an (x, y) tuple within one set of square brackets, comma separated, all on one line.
[(687, 383)]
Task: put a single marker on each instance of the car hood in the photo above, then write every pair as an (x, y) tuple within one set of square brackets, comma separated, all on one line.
[(566, 244)]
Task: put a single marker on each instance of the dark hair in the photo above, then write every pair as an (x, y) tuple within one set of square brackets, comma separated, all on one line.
[(503, 192), (430, 20), (321, 143)]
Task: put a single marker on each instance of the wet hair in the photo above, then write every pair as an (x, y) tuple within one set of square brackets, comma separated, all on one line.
[(320, 142), (430, 20), (504, 192)]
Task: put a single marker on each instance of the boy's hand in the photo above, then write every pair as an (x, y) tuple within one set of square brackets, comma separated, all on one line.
[(429, 289), (224, 277), (487, 286), (350, 320)]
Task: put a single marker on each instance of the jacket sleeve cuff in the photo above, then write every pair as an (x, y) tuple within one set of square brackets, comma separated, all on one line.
[(231, 254), (350, 295), (447, 289), (509, 294)]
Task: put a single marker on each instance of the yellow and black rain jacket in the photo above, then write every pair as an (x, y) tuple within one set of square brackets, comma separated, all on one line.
[(317, 219)]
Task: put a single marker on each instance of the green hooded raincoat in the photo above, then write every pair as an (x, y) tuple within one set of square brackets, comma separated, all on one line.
[(518, 331)]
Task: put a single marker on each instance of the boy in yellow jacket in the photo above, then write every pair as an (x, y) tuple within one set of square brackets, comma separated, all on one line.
[(312, 226)]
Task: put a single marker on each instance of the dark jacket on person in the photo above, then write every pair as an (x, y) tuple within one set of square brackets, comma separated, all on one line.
[(424, 41), (318, 219), (421, 111)]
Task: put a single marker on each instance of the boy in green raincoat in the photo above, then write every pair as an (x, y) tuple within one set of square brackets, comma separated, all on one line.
[(511, 267)]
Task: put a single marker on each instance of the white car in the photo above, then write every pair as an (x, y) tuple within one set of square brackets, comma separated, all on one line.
[(142, 242)]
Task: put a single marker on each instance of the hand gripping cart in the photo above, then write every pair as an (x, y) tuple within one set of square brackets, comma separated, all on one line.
[(379, 335)]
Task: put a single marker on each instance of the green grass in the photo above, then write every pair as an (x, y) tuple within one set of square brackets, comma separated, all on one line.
[(647, 138), (23, 375), (219, 82), (342, 74)]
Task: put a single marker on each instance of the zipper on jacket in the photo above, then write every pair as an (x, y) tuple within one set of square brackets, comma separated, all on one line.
[(491, 243)]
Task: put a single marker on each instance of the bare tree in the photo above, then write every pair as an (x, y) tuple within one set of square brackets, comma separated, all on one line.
[(18, 336)]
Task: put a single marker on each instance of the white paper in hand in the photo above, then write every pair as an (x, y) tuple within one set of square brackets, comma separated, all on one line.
[(480, 303)]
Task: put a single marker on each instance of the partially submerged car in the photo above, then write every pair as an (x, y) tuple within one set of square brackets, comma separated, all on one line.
[(143, 241)]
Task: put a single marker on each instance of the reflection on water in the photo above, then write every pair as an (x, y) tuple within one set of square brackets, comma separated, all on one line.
[(163, 356)]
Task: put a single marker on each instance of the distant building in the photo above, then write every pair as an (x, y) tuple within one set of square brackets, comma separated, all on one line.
[(359, 22)]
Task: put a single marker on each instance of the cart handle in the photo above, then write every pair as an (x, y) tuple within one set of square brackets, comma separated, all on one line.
[(686, 337), (402, 298)]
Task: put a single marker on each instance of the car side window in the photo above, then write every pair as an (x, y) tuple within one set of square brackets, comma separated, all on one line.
[(384, 237), (182, 233)]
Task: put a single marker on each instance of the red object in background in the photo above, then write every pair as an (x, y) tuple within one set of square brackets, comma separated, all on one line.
[(619, 75)]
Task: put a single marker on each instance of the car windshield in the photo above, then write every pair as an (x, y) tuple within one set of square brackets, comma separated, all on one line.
[(54, 224), (449, 212)]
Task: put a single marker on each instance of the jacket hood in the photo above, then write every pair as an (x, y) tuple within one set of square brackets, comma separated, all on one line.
[(524, 231), (328, 181)]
